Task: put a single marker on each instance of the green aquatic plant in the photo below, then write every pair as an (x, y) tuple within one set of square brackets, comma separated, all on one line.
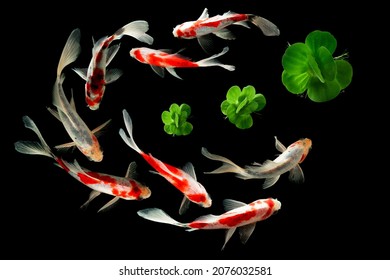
[(239, 105), (175, 120), (311, 67)]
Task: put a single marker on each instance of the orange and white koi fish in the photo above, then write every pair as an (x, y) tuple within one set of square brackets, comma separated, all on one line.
[(160, 60), (204, 27), (270, 170), (238, 215), (83, 138), (183, 179), (127, 188), (95, 76)]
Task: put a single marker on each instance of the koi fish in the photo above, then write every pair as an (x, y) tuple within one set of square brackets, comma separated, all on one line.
[(270, 170), (238, 215), (95, 75), (126, 188), (160, 60), (183, 179), (83, 138), (205, 27)]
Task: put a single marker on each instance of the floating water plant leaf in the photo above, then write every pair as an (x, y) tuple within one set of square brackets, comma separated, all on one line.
[(175, 120), (310, 67), (239, 105)]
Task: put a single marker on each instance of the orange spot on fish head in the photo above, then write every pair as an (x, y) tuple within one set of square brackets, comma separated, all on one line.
[(307, 144)]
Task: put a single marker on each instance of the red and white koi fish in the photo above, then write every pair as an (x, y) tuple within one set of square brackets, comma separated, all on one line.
[(83, 138), (238, 215), (127, 188), (183, 179), (203, 28), (96, 76), (270, 170), (160, 60)]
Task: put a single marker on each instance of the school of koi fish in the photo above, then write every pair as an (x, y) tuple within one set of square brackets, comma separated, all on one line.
[(238, 215)]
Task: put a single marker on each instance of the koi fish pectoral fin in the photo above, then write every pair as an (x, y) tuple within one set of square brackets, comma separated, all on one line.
[(269, 182), (82, 72), (206, 42), (296, 175), (99, 130), (65, 146), (185, 203), (158, 70), (172, 71), (228, 235), (279, 146), (109, 204), (246, 232), (92, 196), (112, 75)]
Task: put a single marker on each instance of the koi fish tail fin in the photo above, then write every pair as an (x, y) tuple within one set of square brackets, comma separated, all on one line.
[(212, 61), (70, 52), (136, 29), (227, 166), (33, 147), (129, 126), (159, 216), (267, 27)]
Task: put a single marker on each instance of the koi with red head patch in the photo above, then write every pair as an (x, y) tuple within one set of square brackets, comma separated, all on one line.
[(238, 215), (127, 188), (160, 60), (96, 76), (183, 179), (204, 27), (83, 138), (270, 170)]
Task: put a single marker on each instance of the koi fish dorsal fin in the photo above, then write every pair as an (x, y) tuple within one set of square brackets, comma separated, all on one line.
[(189, 169), (205, 14), (246, 232), (230, 204)]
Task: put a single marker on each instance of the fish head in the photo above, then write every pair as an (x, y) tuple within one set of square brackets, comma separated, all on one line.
[(145, 192), (95, 153), (306, 145), (276, 206), (185, 30)]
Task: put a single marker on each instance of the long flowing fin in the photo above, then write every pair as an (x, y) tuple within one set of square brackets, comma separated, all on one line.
[(129, 126), (136, 29), (159, 216), (32, 147), (71, 51), (267, 27), (92, 195), (227, 166), (212, 61)]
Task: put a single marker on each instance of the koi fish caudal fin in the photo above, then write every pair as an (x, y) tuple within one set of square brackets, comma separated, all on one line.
[(212, 61), (267, 27), (227, 165), (136, 29), (33, 147), (159, 216), (129, 126)]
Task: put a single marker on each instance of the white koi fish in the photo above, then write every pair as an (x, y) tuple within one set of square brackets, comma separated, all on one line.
[(204, 27), (270, 170), (83, 138), (183, 179), (160, 60), (96, 76), (127, 188), (238, 215)]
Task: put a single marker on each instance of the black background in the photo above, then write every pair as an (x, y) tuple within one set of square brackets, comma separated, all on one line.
[(333, 215)]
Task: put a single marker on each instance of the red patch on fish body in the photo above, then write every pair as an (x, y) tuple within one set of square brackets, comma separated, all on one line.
[(238, 219)]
